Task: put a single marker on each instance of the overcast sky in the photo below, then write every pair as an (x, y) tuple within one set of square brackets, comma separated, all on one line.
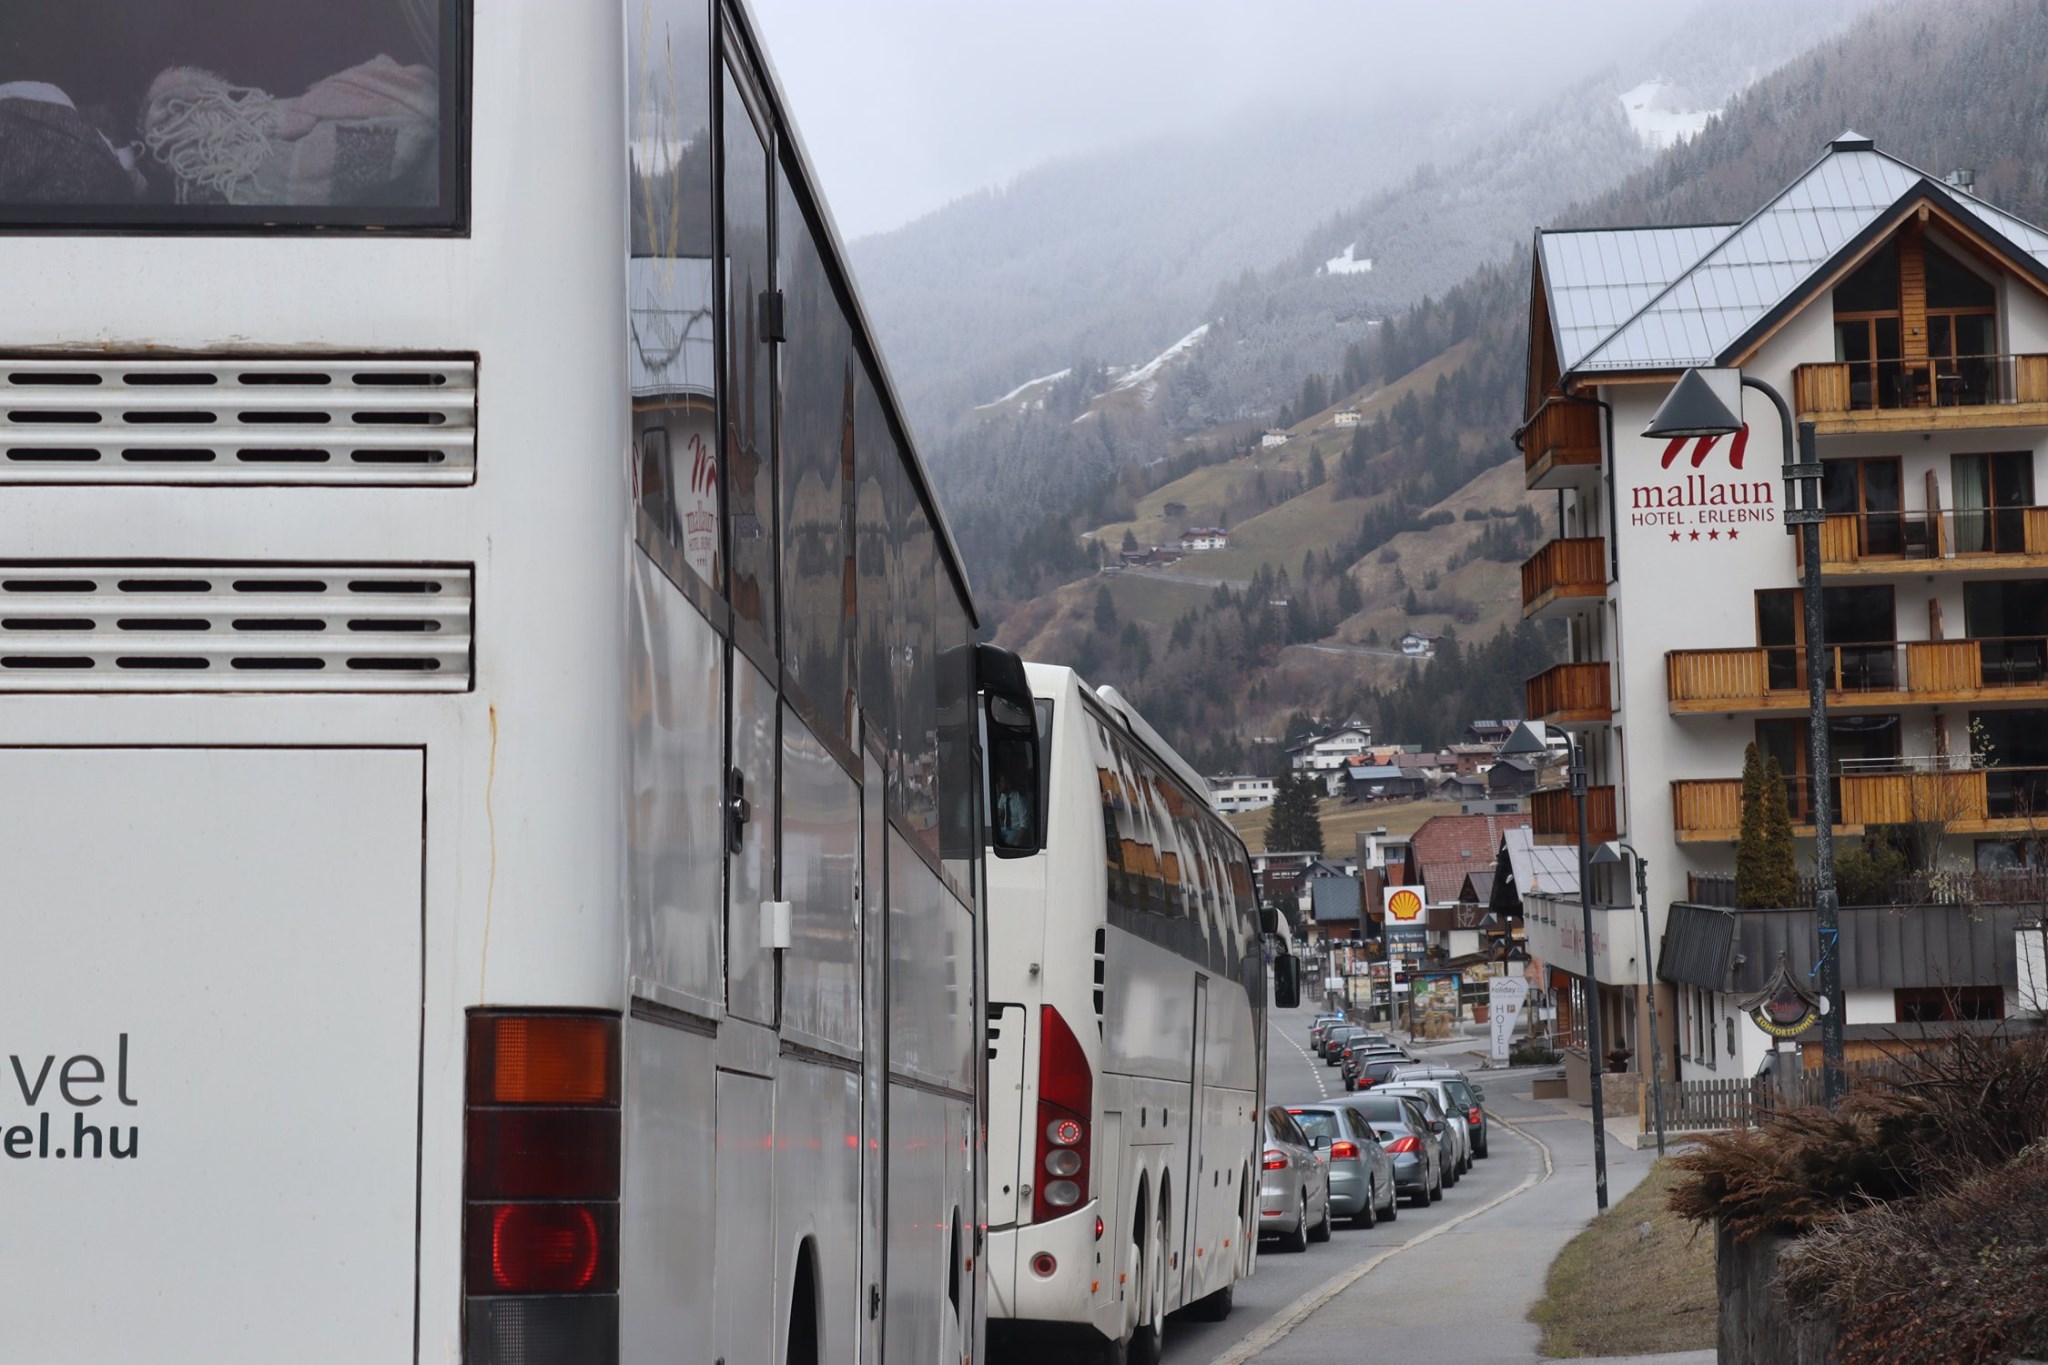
[(907, 104)]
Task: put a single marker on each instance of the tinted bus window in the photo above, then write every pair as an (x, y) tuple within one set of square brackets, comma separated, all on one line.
[(203, 114), (874, 452), (749, 454), (671, 349)]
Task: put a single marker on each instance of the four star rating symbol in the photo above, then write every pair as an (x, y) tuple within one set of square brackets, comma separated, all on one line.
[(1715, 534)]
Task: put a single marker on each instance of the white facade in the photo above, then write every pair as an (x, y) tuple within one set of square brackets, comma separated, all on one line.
[(1240, 791), (1691, 541), (1331, 752), (1271, 439)]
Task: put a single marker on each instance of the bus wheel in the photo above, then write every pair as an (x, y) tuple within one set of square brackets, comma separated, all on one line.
[(1214, 1307), (1149, 1340)]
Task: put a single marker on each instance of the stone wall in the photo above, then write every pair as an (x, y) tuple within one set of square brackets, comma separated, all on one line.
[(1757, 1326)]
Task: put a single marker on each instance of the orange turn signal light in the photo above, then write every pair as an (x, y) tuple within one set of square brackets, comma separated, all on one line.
[(544, 1059)]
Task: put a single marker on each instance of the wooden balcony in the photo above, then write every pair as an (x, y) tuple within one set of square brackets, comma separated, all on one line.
[(1964, 801), (1554, 817), (1570, 694), (1855, 544), (1922, 393), (1564, 576), (1561, 445), (1859, 677)]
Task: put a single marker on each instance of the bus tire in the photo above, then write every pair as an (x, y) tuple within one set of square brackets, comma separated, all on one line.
[(1214, 1307)]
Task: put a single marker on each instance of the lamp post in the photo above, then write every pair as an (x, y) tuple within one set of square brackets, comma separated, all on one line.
[(1524, 741), (1612, 853), (1709, 403)]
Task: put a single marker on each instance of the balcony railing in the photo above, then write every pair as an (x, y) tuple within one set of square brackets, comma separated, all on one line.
[(1559, 440), (1554, 817), (1564, 574), (1774, 678), (1570, 694), (1913, 791), (1905, 392), (1928, 540)]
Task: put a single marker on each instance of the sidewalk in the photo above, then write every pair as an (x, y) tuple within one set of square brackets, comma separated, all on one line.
[(1465, 1296)]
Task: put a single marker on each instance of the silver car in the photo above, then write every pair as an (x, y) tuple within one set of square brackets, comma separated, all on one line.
[(1464, 1092), (1361, 1172), (1402, 1127), (1457, 1139), (1294, 1185)]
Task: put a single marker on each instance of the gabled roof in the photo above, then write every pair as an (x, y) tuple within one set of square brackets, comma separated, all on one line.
[(1448, 848), (1540, 869), (1753, 274), (1596, 278)]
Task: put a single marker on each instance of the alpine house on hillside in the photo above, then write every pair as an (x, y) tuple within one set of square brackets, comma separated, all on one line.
[(1908, 321)]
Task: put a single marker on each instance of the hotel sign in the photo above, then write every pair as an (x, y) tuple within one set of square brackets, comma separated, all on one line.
[(1701, 492)]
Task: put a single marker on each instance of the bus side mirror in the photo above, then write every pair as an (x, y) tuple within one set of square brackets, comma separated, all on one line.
[(1269, 920), (1286, 982), (1016, 818)]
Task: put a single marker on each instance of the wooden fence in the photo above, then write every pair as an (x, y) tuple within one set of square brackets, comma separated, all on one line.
[(1741, 1101)]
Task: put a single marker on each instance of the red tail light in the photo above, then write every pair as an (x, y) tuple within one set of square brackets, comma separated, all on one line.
[(1275, 1161), (541, 1180), (1066, 1110), (1343, 1151), (1409, 1143), (1473, 1116)]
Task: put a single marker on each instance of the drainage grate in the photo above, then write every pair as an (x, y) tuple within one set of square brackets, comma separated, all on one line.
[(225, 420), (234, 628)]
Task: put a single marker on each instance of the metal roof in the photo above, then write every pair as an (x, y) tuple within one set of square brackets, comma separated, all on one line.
[(1540, 869), (1883, 947), (1752, 271), (1596, 279)]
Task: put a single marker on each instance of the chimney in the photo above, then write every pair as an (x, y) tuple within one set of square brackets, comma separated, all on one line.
[(1962, 178)]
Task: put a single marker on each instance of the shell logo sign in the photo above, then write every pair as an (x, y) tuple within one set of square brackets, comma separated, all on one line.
[(1403, 905)]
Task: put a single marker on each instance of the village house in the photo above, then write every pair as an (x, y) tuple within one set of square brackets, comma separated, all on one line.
[(1907, 321), (1205, 538), (1272, 438), (1240, 791)]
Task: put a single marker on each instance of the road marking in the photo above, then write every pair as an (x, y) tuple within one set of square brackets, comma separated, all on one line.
[(1313, 1068), (1300, 1310)]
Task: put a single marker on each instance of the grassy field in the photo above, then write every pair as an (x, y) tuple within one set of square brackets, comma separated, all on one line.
[(1341, 823), (1615, 1291)]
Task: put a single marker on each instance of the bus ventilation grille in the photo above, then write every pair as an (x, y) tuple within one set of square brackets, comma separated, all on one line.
[(234, 627), (221, 420)]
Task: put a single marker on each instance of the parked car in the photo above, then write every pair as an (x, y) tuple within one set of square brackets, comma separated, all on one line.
[(1356, 1056), (1402, 1128), (1373, 1070), (1457, 1140), (1361, 1172), (1294, 1185), (1466, 1094)]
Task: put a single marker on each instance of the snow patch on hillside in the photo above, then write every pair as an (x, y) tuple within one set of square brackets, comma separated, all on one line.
[(1350, 263), (1024, 387), (1149, 371), (1655, 123)]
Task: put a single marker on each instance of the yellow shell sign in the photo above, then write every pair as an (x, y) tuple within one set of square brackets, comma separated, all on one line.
[(1404, 905)]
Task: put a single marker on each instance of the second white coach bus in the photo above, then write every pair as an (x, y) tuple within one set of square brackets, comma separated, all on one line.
[(490, 788), (1127, 1001)]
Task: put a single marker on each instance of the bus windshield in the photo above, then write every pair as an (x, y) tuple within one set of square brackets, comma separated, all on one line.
[(203, 114)]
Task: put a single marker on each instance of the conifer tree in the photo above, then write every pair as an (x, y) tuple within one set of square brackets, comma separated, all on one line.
[(1295, 821), (1766, 876)]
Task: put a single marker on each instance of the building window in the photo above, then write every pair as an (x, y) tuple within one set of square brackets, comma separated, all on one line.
[(1948, 1004)]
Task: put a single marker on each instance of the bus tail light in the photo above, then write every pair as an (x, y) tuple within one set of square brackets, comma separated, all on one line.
[(1066, 1104), (541, 1138)]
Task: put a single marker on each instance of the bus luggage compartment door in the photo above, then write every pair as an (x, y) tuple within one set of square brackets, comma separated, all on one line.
[(211, 1123)]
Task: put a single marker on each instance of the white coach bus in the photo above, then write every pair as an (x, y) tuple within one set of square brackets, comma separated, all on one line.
[(1127, 1001), (489, 767)]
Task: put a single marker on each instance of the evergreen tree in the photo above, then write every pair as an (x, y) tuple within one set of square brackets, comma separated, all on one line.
[(1765, 875), (1130, 539), (1316, 472), (1295, 822), (1105, 610)]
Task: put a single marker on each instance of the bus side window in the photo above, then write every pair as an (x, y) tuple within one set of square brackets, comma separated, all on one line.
[(1016, 820)]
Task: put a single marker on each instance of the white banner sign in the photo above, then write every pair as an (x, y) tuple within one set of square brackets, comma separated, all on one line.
[(1504, 996)]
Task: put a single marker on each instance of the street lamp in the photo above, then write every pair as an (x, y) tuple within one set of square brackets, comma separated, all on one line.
[(1522, 742), (1709, 403), (1612, 852)]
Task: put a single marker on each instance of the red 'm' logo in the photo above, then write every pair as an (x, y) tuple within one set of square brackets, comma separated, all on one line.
[(1705, 444)]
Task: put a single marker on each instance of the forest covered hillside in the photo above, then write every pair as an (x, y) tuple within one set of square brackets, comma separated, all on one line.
[(1415, 517)]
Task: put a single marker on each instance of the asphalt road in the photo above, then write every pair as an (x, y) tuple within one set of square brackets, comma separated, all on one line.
[(1452, 1282)]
